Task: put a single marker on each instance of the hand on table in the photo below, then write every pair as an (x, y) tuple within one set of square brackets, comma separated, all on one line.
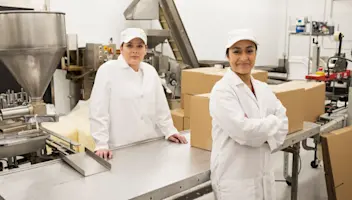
[(177, 138), (104, 153)]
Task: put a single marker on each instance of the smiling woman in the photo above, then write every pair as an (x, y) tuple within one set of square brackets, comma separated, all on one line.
[(248, 123), (242, 55)]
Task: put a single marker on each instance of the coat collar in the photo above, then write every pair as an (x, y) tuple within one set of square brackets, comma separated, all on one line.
[(234, 79), (236, 82), (124, 63)]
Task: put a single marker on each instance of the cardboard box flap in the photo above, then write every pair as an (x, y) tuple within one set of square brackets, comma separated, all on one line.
[(285, 88), (337, 150), (207, 95), (305, 84), (202, 80), (178, 112)]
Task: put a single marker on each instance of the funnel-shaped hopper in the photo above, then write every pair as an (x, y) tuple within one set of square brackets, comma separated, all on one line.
[(31, 47)]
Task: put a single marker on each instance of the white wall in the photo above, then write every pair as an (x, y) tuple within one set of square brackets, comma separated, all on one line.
[(207, 22), (320, 10)]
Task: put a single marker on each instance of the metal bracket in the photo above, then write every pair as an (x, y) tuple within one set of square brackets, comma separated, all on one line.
[(176, 188), (306, 147), (87, 163)]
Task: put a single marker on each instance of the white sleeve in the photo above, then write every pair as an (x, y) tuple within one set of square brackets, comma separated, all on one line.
[(278, 139), (228, 114), (99, 109), (163, 113)]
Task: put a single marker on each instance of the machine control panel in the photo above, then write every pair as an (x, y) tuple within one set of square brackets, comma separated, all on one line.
[(98, 54)]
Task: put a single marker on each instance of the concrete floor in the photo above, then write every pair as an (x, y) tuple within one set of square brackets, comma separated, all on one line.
[(311, 181)]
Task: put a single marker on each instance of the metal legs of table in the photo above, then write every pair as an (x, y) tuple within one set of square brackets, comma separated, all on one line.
[(292, 180)]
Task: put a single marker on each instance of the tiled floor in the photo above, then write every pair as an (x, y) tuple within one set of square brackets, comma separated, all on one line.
[(311, 181)]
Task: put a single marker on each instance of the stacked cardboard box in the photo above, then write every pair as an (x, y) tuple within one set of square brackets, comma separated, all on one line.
[(195, 86), (304, 101), (201, 122), (201, 81)]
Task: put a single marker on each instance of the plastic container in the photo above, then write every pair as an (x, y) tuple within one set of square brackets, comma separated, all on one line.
[(297, 68)]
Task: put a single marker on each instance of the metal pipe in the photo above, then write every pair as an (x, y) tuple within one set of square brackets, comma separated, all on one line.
[(349, 107), (9, 129), (10, 113)]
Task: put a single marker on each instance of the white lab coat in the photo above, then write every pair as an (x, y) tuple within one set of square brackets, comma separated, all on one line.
[(246, 128), (125, 108)]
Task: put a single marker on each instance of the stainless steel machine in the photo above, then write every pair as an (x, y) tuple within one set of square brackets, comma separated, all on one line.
[(31, 46)]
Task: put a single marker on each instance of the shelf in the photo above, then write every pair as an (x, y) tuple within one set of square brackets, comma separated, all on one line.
[(309, 34)]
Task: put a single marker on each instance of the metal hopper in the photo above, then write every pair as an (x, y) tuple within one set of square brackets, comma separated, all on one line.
[(31, 46)]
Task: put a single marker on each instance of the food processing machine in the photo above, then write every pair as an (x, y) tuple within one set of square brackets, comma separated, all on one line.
[(31, 56), (31, 47)]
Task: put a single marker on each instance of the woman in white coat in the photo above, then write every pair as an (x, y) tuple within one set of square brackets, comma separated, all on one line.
[(127, 103), (248, 123)]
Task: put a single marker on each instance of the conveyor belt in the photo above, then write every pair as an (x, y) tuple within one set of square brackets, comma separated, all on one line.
[(136, 170)]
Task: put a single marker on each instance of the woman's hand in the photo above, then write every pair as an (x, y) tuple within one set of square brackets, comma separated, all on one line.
[(104, 153), (177, 138)]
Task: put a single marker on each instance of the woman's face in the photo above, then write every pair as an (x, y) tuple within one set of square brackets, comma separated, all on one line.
[(134, 51), (242, 56)]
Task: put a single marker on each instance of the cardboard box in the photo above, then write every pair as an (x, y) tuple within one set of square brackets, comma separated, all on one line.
[(292, 98), (201, 125), (314, 98), (186, 123), (338, 163), (174, 103), (202, 80), (201, 122), (187, 105), (177, 117)]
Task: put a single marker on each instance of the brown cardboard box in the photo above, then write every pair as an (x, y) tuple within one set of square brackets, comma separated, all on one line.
[(314, 98), (338, 163), (201, 122), (187, 105), (293, 100), (202, 80), (186, 123), (177, 117)]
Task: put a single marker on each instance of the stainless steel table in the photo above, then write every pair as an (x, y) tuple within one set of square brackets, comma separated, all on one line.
[(136, 170), (151, 170)]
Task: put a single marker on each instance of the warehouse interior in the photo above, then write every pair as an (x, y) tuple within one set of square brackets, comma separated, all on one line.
[(304, 55)]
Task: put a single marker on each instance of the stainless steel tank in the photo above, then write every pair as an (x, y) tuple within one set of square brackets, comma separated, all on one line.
[(31, 46)]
